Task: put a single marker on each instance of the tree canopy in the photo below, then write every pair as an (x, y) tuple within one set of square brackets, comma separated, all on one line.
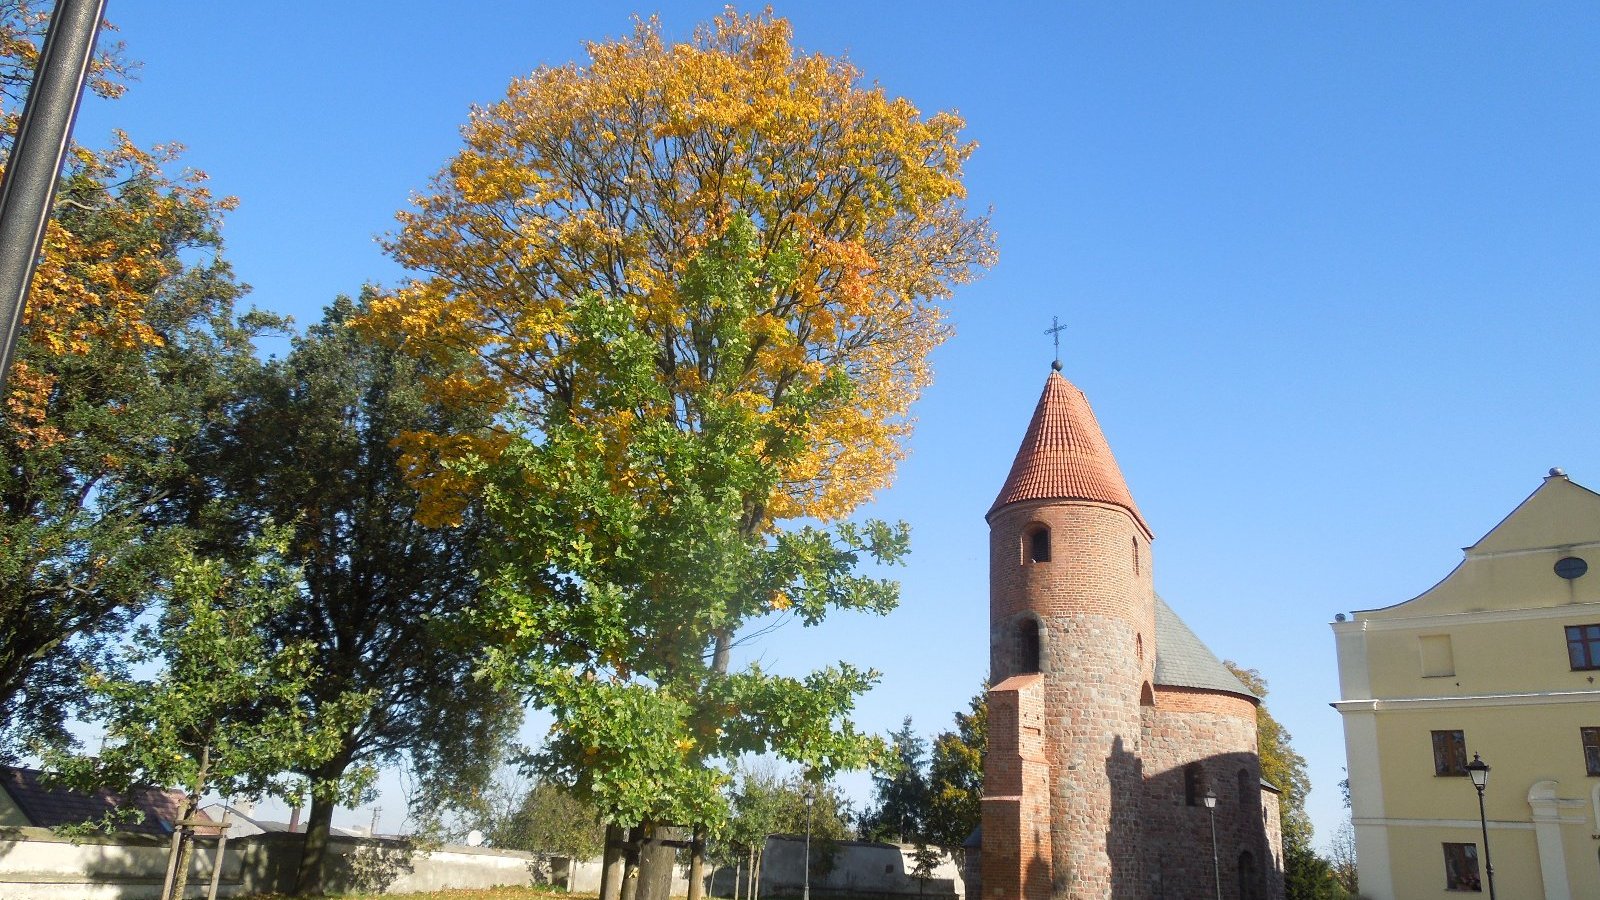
[(126, 352), (697, 284)]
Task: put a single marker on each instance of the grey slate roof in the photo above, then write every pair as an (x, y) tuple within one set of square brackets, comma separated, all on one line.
[(1183, 661)]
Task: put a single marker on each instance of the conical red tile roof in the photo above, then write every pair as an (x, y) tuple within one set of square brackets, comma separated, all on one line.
[(1064, 456)]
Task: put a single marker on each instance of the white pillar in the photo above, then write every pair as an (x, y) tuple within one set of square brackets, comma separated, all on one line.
[(1546, 804)]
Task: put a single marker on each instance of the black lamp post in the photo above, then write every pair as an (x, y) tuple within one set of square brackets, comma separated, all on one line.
[(1210, 800), (1479, 770)]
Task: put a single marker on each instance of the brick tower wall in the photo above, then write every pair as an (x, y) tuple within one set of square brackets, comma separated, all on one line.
[(1093, 606), (1213, 732), (1015, 860)]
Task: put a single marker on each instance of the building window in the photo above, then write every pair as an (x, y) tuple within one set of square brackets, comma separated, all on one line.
[(1036, 544), (1591, 750), (1135, 556), (1191, 784), (1461, 867), (1249, 790), (1437, 658), (1027, 647), (1583, 646), (1449, 753), (1247, 877)]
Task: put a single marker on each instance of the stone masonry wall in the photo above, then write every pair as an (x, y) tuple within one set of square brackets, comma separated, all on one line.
[(1214, 733)]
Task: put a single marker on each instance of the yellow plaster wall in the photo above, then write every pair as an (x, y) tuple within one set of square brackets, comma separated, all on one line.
[(1521, 656), (1514, 854)]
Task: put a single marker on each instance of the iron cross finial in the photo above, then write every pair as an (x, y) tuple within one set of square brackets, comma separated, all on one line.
[(1054, 331)]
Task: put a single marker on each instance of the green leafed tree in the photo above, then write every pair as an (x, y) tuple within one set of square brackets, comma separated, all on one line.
[(955, 776), (223, 713), (310, 444)]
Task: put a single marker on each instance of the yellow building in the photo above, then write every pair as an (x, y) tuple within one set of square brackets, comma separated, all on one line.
[(1498, 660)]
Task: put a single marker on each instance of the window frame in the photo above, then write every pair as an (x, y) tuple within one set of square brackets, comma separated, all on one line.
[(1442, 763), (1589, 739), (1457, 874), (1583, 644)]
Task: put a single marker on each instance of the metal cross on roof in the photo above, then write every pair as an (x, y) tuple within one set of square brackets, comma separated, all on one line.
[(1054, 331)]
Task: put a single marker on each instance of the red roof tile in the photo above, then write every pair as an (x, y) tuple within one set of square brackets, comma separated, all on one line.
[(1064, 456)]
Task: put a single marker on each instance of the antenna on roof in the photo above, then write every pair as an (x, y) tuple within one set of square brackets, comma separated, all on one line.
[(1054, 331)]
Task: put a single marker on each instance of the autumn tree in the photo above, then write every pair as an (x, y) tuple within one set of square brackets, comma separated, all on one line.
[(126, 352), (308, 446), (698, 283)]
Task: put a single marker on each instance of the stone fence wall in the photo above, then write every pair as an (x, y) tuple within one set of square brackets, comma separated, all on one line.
[(37, 864)]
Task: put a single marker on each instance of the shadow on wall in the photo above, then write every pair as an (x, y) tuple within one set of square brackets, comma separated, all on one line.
[(1125, 772), (1178, 853)]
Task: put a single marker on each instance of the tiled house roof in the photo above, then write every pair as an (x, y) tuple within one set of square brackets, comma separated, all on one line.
[(47, 806), (1064, 456), (1182, 660)]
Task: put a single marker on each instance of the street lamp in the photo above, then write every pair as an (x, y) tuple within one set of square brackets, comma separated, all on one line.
[(1210, 800), (1479, 770), (805, 891)]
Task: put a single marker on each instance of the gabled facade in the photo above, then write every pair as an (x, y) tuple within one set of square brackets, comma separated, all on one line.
[(1498, 660), (1109, 720)]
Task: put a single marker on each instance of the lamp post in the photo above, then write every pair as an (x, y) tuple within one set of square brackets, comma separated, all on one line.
[(805, 891), (1210, 800), (1479, 770)]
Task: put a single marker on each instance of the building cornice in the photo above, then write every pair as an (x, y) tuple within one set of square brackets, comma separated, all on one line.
[(1474, 617), (1402, 704)]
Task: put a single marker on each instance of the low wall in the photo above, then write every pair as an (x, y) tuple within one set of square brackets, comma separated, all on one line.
[(37, 864), (859, 869)]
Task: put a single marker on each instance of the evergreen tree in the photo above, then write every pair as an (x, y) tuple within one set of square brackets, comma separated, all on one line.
[(900, 791)]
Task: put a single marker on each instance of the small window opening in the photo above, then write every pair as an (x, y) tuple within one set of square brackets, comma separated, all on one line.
[(1449, 753), (1249, 790), (1247, 877), (1191, 784), (1028, 647), (1135, 556), (1038, 545)]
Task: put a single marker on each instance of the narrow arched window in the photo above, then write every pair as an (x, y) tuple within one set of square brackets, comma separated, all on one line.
[(1247, 877), (1036, 544), (1027, 647), (1249, 790), (1135, 556)]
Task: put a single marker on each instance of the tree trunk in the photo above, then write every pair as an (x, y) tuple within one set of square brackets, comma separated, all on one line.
[(612, 865), (738, 876), (191, 804), (314, 849), (657, 860), (630, 867), (697, 865)]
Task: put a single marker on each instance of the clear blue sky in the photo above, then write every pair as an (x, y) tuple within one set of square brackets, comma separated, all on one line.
[(1329, 271)]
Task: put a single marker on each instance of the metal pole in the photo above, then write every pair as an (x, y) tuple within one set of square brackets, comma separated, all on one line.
[(1483, 821), (1216, 867), (35, 164), (805, 892)]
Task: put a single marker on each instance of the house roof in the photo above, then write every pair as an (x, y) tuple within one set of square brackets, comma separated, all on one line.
[(1064, 456), (48, 806), (1183, 660)]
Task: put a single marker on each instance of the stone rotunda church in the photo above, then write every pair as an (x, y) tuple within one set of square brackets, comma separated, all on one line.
[(1117, 740)]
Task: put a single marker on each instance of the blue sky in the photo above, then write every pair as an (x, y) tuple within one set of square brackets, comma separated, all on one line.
[(1329, 272)]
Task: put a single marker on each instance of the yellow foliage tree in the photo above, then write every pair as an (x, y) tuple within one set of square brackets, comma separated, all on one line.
[(607, 179)]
